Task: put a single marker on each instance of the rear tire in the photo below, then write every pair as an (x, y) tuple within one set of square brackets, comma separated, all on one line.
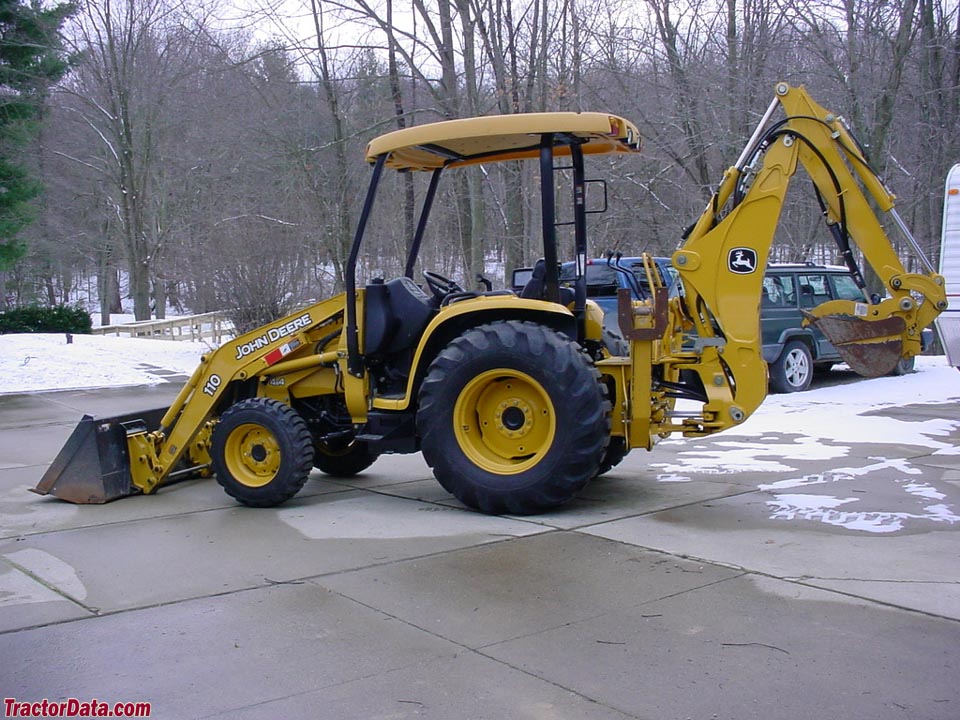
[(614, 344), (513, 418), (262, 452), (793, 370), (343, 462), (616, 451)]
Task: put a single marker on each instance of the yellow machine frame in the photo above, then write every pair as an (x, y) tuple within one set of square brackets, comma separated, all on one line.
[(703, 345)]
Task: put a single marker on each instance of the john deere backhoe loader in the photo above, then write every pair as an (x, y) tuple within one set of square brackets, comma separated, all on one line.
[(513, 398)]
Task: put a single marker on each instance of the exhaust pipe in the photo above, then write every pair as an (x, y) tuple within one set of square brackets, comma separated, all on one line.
[(94, 464)]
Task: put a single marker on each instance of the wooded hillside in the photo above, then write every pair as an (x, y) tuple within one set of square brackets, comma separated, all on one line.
[(217, 159)]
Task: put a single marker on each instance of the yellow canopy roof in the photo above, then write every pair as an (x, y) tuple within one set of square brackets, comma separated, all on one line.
[(455, 143)]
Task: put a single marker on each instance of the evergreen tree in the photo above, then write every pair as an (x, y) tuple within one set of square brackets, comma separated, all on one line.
[(32, 58)]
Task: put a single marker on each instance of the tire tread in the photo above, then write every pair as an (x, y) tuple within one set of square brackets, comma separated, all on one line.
[(300, 460), (583, 394)]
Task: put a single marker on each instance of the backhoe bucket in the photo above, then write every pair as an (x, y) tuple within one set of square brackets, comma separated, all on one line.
[(94, 464), (871, 348)]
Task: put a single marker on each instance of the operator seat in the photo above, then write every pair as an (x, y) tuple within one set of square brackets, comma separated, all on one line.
[(535, 289), (395, 314)]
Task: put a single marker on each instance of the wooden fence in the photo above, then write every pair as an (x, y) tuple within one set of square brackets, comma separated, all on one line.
[(212, 326)]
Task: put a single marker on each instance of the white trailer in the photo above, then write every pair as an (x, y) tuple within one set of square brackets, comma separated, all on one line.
[(949, 321)]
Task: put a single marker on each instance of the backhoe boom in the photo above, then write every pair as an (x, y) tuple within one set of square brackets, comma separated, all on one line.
[(722, 264)]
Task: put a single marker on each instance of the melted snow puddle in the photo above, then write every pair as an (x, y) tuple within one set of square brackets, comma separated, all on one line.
[(827, 508), (731, 457)]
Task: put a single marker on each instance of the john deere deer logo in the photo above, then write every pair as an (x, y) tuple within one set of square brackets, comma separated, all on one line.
[(742, 260)]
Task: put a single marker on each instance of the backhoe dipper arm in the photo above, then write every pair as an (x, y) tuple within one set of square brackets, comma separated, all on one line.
[(723, 259)]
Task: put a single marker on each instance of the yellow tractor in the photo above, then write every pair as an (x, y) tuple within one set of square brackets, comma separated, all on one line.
[(515, 399)]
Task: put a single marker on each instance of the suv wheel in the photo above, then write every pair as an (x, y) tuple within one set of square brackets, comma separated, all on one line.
[(793, 370)]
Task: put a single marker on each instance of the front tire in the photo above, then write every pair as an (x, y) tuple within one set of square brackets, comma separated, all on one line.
[(513, 418), (261, 452), (793, 370)]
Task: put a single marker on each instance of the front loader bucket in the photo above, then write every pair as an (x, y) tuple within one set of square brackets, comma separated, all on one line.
[(870, 347), (94, 464)]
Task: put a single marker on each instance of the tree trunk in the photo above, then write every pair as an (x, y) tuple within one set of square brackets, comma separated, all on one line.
[(409, 199), (515, 240), (108, 287), (342, 204), (159, 299)]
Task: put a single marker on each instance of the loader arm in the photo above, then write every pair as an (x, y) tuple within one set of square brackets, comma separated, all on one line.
[(722, 264), (283, 348), (108, 458)]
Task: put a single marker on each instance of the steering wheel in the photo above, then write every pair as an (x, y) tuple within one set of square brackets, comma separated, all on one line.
[(439, 285)]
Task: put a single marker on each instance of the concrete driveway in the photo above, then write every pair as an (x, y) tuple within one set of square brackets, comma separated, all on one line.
[(711, 595)]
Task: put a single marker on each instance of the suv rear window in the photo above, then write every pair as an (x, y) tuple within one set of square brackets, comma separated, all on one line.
[(602, 279), (844, 288), (813, 290)]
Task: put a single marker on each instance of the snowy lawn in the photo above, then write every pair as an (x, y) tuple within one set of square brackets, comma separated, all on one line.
[(32, 363)]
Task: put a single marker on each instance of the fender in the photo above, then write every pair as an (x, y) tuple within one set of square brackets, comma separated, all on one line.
[(454, 319)]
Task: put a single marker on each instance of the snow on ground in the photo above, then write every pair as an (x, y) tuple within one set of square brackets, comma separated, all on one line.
[(841, 413), (823, 424), (33, 363)]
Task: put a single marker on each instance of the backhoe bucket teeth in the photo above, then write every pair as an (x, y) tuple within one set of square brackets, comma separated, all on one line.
[(871, 348), (94, 464)]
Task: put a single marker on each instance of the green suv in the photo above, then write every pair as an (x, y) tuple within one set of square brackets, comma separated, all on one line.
[(791, 350)]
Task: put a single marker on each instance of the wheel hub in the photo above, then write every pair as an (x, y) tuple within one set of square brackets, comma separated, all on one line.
[(513, 417), (504, 421), (252, 455), (796, 368)]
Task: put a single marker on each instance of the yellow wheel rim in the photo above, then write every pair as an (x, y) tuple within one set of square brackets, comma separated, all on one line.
[(504, 421), (252, 455)]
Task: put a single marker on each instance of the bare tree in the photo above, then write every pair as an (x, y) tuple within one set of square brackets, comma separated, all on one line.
[(192, 154), (136, 54)]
